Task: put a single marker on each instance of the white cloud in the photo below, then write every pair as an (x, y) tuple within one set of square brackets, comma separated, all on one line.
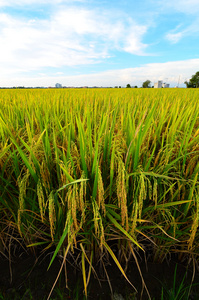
[(184, 6), (133, 42), (71, 36), (174, 37), (6, 3), (170, 72), (188, 11)]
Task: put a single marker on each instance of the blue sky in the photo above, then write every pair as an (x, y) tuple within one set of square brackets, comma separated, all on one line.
[(103, 43)]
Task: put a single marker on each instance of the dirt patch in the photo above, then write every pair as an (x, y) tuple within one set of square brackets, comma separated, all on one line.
[(27, 278)]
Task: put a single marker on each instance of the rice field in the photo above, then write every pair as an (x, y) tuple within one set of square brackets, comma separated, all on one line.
[(99, 174)]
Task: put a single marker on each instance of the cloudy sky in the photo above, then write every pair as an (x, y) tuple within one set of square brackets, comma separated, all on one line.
[(98, 42)]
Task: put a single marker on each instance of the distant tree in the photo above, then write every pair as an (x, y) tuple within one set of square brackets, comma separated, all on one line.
[(146, 84), (116, 87), (187, 84), (128, 85), (193, 82), (135, 86), (120, 87)]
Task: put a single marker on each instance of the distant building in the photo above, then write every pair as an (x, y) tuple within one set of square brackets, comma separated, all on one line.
[(58, 85), (165, 85), (160, 84)]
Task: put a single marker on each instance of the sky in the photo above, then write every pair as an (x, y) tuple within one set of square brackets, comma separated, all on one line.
[(98, 42)]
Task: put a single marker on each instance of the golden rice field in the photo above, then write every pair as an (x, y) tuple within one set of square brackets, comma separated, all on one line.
[(86, 172)]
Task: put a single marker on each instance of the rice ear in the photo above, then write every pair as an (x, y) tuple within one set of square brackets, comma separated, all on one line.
[(52, 214), (22, 183), (195, 223), (122, 194), (40, 195), (100, 192)]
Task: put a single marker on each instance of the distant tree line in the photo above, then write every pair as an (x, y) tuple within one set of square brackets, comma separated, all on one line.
[(145, 84)]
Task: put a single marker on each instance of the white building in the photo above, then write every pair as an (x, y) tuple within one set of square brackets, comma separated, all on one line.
[(58, 85), (160, 84)]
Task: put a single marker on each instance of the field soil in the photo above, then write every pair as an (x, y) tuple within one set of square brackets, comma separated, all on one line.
[(27, 278)]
